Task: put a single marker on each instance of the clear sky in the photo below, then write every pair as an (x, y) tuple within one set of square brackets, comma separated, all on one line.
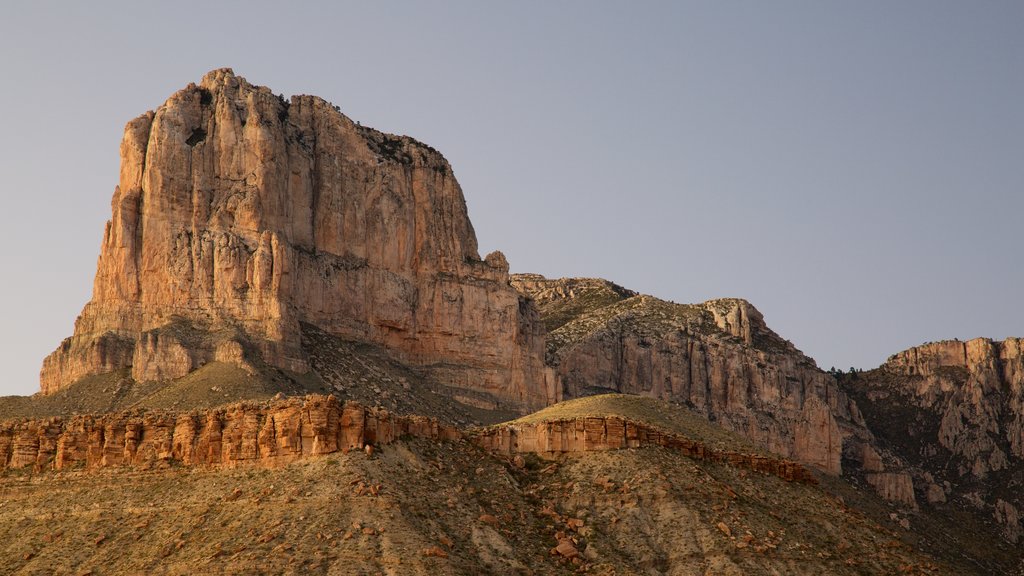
[(854, 169)]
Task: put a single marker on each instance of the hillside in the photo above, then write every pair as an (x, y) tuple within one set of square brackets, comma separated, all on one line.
[(295, 360), (951, 411), (420, 506), (718, 358)]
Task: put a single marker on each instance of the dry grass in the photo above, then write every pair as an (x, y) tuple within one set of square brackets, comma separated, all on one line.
[(656, 413), (646, 511)]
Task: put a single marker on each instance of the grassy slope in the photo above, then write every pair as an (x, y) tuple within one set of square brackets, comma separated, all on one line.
[(212, 385), (653, 412)]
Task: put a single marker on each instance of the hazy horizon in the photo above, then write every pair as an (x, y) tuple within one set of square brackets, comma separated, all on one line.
[(853, 170)]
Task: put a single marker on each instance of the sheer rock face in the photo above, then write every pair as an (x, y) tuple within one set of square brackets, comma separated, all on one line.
[(717, 357), (240, 215), (954, 411), (976, 388)]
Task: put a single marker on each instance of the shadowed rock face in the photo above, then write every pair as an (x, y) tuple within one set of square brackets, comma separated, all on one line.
[(240, 215), (718, 357), (954, 412)]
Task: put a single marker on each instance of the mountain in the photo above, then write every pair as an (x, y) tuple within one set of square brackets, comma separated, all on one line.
[(953, 411), (299, 493), (294, 360), (719, 358), (241, 216)]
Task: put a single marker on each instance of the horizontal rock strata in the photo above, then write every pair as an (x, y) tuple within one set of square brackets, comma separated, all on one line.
[(281, 432), (614, 433), (238, 435)]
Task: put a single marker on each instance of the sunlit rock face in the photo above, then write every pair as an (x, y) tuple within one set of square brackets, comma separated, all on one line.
[(241, 215), (717, 357)]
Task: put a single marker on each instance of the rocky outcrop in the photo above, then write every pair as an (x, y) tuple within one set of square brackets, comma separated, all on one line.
[(719, 358), (894, 486), (588, 434), (240, 215), (954, 412), (280, 432), (267, 435), (975, 389)]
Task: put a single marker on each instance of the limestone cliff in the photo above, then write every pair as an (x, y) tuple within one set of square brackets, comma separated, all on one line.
[(240, 215), (954, 411), (268, 435), (719, 358), (596, 434)]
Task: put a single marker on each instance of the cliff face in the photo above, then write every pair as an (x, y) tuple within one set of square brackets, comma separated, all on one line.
[(596, 434), (273, 434), (240, 215), (976, 388), (954, 411), (719, 358), (239, 435)]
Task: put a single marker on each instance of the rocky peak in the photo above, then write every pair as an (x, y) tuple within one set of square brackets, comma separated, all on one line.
[(741, 319), (240, 215)]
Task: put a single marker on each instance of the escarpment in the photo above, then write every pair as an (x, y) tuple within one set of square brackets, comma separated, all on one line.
[(596, 434), (240, 215), (719, 358), (954, 411), (267, 435)]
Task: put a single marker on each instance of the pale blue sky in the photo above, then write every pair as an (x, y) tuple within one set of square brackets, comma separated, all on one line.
[(854, 169)]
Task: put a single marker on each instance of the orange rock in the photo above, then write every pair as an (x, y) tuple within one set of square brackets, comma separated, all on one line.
[(567, 549), (268, 435), (435, 551), (228, 230)]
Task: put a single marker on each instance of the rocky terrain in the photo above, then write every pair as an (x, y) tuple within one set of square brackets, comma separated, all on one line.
[(954, 412), (442, 505), (718, 358), (295, 361)]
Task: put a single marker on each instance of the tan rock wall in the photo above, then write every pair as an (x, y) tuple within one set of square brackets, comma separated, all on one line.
[(239, 435), (976, 389), (789, 407), (237, 210), (613, 433), (893, 486)]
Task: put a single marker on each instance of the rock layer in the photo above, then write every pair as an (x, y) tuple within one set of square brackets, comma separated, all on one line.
[(238, 435), (278, 433), (613, 433), (240, 215), (719, 358)]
